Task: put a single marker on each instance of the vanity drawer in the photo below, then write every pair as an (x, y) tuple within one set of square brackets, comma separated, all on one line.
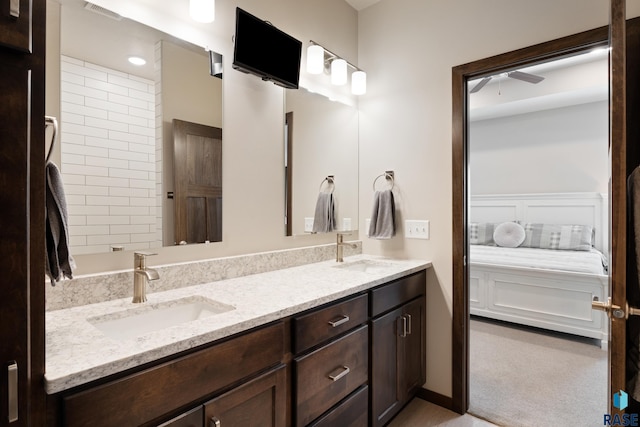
[(330, 373), (352, 412), (397, 293), (319, 326), (146, 395)]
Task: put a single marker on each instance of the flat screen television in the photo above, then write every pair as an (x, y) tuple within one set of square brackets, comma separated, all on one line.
[(263, 50)]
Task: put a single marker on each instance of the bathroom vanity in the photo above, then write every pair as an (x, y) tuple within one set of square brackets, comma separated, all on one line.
[(324, 344)]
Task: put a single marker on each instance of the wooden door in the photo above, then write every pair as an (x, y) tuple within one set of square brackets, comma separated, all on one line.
[(618, 198), (258, 403), (22, 234), (198, 182)]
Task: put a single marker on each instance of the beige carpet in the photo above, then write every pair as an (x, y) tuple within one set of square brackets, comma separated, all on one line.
[(522, 377)]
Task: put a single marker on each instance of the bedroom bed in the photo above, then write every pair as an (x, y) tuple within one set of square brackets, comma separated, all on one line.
[(546, 282)]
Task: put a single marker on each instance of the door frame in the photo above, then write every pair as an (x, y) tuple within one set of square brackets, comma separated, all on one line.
[(485, 67)]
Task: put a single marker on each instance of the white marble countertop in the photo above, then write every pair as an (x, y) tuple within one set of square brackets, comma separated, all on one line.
[(77, 352)]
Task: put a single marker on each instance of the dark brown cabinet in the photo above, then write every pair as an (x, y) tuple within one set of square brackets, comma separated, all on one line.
[(193, 418), (332, 364), (146, 396), (22, 192), (398, 349), (327, 375), (258, 403), (15, 24)]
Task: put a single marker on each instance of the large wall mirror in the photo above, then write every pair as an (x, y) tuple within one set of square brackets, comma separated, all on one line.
[(321, 156), (140, 145)]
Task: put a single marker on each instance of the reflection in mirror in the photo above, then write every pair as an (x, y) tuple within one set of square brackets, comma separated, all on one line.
[(117, 133), (321, 140)]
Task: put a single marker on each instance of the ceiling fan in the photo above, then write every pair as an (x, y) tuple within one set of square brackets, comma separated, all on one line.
[(518, 75)]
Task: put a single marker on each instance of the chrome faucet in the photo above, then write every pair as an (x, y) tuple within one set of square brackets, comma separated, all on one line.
[(141, 275), (340, 245)]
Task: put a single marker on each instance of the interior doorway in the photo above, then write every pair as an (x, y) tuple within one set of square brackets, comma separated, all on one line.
[(538, 161), (512, 61)]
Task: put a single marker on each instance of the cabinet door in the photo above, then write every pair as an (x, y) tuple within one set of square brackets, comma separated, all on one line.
[(386, 356), (258, 403), (15, 24), (413, 348)]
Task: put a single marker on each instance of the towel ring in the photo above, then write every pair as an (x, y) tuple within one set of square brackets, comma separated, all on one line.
[(51, 121), (330, 181), (388, 175)]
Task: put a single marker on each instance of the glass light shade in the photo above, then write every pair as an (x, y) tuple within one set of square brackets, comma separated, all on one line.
[(202, 10), (338, 72), (359, 83), (315, 59)]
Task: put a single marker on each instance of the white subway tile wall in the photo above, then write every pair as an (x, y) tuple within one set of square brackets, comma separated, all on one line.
[(108, 145)]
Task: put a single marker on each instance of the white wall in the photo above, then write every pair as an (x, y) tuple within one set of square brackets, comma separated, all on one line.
[(549, 151), (408, 48)]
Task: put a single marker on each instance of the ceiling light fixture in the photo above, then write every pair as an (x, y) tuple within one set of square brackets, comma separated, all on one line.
[(202, 10), (136, 60), (321, 59)]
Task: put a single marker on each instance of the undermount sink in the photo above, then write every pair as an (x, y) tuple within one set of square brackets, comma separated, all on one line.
[(147, 318), (364, 265)]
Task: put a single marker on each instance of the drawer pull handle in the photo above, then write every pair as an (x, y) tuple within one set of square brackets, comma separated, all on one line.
[(214, 422), (336, 377), (12, 380), (14, 8), (408, 316), (343, 319)]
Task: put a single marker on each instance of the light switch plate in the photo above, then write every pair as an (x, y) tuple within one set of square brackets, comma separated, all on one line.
[(367, 224), (308, 225), (346, 224), (416, 229)]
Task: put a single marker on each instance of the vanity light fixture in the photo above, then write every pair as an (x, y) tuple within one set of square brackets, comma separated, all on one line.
[(338, 72), (359, 82), (202, 10), (315, 59), (321, 59)]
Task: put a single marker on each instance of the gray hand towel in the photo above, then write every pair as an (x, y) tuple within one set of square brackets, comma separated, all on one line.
[(324, 220), (58, 260), (383, 217)]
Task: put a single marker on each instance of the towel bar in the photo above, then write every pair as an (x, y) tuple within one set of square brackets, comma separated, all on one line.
[(51, 121), (330, 181), (388, 175)]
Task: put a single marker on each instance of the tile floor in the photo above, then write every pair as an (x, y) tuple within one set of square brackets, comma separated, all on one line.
[(419, 413)]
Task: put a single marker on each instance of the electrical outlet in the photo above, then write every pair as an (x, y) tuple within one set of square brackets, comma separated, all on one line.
[(414, 229), (367, 224), (308, 225), (346, 224)]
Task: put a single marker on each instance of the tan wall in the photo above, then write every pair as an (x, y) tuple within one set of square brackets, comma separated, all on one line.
[(408, 47)]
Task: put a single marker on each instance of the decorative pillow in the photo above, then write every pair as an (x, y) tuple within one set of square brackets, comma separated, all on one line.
[(509, 235), (553, 236), (481, 233)]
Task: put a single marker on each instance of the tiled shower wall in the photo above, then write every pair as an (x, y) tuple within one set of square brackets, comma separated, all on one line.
[(108, 143)]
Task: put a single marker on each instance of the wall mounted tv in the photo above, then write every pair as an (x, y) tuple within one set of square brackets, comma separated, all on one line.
[(263, 50)]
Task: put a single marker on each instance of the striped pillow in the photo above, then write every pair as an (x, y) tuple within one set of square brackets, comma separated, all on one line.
[(552, 236), (481, 233)]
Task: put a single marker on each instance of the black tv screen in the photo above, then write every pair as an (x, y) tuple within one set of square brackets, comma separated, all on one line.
[(263, 50)]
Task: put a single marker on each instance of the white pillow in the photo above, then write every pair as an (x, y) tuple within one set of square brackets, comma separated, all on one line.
[(509, 235)]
